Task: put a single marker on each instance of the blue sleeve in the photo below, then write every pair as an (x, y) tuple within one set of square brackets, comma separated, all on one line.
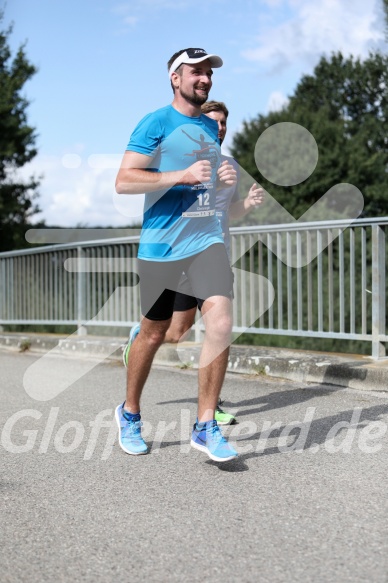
[(146, 136)]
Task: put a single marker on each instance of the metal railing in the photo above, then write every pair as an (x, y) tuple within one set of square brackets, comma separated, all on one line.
[(322, 280)]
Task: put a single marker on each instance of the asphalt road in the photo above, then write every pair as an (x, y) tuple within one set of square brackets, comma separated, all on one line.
[(303, 502)]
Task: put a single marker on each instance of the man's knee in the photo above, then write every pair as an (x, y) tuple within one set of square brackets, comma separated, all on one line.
[(177, 334), (180, 326), (217, 313), (223, 325), (154, 332), (218, 325)]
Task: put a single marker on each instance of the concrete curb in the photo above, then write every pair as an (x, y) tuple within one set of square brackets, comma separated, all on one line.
[(352, 371), (344, 370)]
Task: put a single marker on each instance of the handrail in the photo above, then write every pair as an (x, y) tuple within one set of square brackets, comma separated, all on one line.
[(323, 279)]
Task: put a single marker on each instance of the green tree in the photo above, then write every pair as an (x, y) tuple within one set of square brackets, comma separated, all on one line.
[(344, 104), (17, 146)]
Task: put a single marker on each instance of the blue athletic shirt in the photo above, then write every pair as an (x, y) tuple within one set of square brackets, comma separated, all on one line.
[(180, 221)]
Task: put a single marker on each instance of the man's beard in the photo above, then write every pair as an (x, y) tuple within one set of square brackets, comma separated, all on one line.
[(194, 98)]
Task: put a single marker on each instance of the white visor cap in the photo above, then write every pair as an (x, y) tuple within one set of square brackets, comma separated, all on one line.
[(193, 56)]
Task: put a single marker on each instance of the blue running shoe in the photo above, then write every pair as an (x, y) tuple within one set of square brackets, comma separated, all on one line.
[(130, 438), (211, 441), (132, 335)]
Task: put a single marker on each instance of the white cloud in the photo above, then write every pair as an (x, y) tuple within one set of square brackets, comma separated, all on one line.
[(318, 28), (144, 7), (276, 101), (85, 195), (131, 20), (273, 3)]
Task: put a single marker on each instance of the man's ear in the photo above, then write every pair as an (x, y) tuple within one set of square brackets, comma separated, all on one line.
[(175, 80)]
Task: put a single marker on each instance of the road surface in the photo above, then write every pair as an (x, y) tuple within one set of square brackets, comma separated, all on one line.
[(305, 501)]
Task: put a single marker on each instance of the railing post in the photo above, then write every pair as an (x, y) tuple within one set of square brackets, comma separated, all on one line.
[(198, 333), (2, 293), (378, 291), (81, 329)]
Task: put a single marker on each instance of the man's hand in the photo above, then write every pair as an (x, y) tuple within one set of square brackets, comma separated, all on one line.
[(255, 197), (226, 174), (198, 173)]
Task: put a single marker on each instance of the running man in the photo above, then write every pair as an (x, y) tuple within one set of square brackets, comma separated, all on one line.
[(181, 234)]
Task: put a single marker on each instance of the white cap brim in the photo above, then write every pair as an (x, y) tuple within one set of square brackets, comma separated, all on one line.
[(215, 61)]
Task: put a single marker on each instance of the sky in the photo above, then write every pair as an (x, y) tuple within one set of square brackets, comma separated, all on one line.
[(102, 67)]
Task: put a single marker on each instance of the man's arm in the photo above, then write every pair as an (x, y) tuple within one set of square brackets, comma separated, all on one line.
[(134, 177), (241, 207)]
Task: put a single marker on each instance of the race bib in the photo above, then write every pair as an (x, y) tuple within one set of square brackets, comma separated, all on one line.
[(204, 205)]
